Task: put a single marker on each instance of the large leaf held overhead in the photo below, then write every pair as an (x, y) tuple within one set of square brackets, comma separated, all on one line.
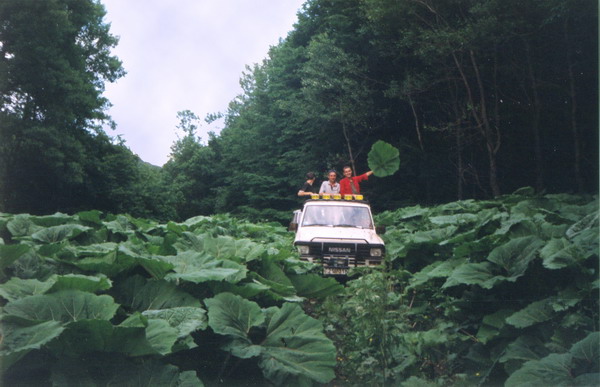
[(384, 159)]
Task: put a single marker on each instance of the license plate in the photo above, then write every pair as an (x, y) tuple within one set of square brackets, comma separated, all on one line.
[(335, 270)]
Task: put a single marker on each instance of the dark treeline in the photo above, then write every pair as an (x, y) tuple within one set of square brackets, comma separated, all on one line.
[(481, 97)]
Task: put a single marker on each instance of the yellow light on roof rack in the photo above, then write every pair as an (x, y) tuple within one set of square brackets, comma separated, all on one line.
[(337, 196), (358, 197), (314, 196), (347, 197), (326, 196)]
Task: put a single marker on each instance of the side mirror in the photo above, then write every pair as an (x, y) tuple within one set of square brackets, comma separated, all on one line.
[(293, 227), (380, 229)]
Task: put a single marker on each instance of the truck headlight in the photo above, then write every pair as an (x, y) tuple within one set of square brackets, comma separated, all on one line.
[(303, 249), (376, 252)]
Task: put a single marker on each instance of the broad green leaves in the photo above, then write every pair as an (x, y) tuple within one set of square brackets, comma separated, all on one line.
[(577, 367), (232, 315), (383, 159), (19, 340), (515, 276), (63, 306), (196, 267), (130, 291), (294, 347), (10, 253)]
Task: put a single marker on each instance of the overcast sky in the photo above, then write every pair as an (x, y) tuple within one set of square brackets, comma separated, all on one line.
[(185, 55)]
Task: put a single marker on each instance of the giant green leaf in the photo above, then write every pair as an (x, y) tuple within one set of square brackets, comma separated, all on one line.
[(443, 220), (552, 370), (315, 286), (588, 222), (544, 310), (231, 315), (220, 247), (383, 159), (113, 369), (10, 253), (55, 219), (21, 226), (559, 253), (185, 319), (588, 350), (579, 366), (533, 313), (89, 336), (140, 294), (295, 347), (271, 274), (239, 250), (514, 256), (199, 267), (92, 217), (492, 324), (524, 348), (81, 282), (161, 335), (155, 265), (17, 340), (64, 306), (16, 288), (103, 258), (59, 233), (472, 274)]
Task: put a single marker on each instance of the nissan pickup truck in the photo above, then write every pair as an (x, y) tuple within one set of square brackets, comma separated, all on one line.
[(338, 235)]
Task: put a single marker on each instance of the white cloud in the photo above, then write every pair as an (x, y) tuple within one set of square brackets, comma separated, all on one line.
[(182, 55)]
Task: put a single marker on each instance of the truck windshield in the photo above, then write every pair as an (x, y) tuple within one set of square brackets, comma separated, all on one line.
[(340, 216)]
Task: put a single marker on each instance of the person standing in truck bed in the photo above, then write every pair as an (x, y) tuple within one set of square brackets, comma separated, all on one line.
[(331, 186), (308, 188), (350, 185)]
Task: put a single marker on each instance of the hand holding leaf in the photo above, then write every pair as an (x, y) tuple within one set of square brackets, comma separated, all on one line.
[(384, 159)]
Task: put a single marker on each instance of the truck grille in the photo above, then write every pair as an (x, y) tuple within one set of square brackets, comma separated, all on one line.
[(357, 253)]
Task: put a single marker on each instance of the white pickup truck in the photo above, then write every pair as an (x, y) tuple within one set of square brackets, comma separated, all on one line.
[(338, 234)]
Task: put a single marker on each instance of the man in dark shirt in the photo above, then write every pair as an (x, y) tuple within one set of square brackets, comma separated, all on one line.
[(308, 188)]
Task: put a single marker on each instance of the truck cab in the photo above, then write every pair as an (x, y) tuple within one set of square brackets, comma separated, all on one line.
[(337, 234)]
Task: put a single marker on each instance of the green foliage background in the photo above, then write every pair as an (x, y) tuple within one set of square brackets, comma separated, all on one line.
[(498, 292), (494, 292)]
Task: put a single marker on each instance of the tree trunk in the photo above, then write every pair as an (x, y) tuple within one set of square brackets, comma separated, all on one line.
[(347, 138), (417, 124), (574, 126), (483, 124), (492, 145), (460, 166), (535, 123)]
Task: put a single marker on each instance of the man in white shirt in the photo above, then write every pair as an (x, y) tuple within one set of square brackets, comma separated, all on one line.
[(331, 186)]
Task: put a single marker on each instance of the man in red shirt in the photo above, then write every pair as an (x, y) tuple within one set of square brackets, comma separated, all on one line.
[(350, 185)]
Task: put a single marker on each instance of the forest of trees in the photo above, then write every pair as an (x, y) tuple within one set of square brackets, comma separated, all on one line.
[(481, 97)]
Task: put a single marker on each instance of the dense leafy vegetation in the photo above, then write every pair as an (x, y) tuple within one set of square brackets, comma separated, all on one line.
[(117, 300), (475, 292)]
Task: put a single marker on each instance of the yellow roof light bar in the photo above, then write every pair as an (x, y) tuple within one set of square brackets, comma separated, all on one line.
[(336, 196)]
